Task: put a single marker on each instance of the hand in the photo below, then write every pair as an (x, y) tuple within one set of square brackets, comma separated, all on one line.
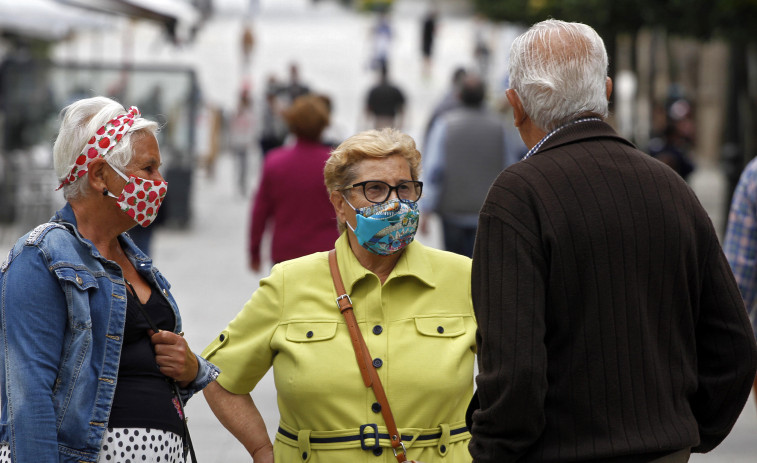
[(174, 357), (255, 264)]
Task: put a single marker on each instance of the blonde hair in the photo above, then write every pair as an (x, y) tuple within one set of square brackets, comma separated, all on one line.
[(341, 167)]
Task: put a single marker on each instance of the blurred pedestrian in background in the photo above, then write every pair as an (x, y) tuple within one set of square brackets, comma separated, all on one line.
[(482, 49), (450, 100), (385, 105), (91, 336), (610, 325), (209, 129), (273, 129), (293, 88), (247, 45), (673, 145), (413, 303), (465, 153), (381, 42), (333, 134), (241, 137), (291, 196), (740, 244), (428, 32)]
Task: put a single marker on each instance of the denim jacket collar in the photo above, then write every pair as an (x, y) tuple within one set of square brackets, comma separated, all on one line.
[(66, 217)]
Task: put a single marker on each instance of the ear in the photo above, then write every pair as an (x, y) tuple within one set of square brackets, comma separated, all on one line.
[(337, 200), (608, 85), (519, 114), (97, 174)]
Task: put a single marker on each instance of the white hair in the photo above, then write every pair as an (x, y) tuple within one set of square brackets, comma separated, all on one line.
[(81, 120), (559, 70)]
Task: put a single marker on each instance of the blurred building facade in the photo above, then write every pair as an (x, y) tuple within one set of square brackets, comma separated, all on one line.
[(35, 85)]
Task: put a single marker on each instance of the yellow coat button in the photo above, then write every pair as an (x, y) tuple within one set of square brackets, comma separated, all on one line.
[(78, 279)]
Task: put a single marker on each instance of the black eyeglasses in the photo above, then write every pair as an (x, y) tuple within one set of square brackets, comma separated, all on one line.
[(377, 191)]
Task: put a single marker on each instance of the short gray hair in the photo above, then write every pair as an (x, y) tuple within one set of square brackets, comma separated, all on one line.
[(81, 120), (559, 70)]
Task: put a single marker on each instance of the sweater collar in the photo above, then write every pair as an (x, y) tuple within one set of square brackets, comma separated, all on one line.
[(578, 130)]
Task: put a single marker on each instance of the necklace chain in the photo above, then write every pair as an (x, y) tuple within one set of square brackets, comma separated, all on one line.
[(549, 135)]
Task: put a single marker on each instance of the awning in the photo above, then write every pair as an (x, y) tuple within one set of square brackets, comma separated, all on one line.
[(179, 17), (46, 19)]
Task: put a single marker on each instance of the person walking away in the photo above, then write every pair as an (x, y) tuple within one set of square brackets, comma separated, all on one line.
[(428, 32), (292, 176), (610, 325), (381, 42), (273, 130), (450, 100), (241, 135), (465, 153), (294, 88), (385, 105)]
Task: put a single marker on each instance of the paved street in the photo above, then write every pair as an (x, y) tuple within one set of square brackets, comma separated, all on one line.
[(206, 263)]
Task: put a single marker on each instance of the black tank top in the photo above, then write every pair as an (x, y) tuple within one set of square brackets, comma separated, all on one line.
[(144, 398)]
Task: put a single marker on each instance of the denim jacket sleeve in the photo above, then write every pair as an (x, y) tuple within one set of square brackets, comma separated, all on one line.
[(34, 322), (206, 374)]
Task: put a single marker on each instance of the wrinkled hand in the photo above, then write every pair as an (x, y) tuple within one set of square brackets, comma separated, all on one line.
[(174, 357)]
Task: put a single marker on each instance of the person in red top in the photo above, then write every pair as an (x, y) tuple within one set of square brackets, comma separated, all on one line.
[(291, 194)]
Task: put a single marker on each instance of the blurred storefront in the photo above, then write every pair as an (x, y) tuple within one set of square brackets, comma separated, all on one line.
[(34, 87)]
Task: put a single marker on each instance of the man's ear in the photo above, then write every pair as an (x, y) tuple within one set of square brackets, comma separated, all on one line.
[(608, 85), (519, 114)]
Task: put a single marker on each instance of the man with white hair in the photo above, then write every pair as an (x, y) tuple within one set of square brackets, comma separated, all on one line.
[(610, 325)]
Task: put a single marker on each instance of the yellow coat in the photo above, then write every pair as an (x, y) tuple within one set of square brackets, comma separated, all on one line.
[(419, 328)]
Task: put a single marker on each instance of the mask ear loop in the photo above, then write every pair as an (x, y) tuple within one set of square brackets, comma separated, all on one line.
[(353, 208)]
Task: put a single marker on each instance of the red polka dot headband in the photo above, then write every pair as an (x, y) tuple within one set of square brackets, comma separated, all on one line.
[(101, 143)]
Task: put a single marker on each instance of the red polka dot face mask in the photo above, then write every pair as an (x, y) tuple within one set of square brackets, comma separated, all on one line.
[(140, 198)]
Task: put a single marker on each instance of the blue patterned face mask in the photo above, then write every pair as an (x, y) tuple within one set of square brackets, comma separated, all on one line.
[(386, 228)]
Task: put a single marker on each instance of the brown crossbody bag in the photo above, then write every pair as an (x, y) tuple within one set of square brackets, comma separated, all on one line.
[(370, 376)]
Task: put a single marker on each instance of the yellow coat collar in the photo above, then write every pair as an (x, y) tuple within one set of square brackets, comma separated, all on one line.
[(412, 263)]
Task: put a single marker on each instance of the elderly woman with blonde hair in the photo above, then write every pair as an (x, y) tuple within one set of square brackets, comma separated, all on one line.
[(92, 358), (390, 378)]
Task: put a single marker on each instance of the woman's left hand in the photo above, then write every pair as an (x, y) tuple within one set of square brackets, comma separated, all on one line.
[(174, 357)]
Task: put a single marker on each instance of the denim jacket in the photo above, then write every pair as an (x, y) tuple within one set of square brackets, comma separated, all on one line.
[(63, 308)]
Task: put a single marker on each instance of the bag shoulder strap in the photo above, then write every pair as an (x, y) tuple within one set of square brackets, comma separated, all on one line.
[(370, 376)]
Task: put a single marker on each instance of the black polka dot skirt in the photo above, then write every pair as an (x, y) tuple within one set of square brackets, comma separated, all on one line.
[(140, 445), (132, 445)]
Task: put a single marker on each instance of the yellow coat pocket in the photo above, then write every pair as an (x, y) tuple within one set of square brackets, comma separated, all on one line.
[(444, 327), (310, 331)]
